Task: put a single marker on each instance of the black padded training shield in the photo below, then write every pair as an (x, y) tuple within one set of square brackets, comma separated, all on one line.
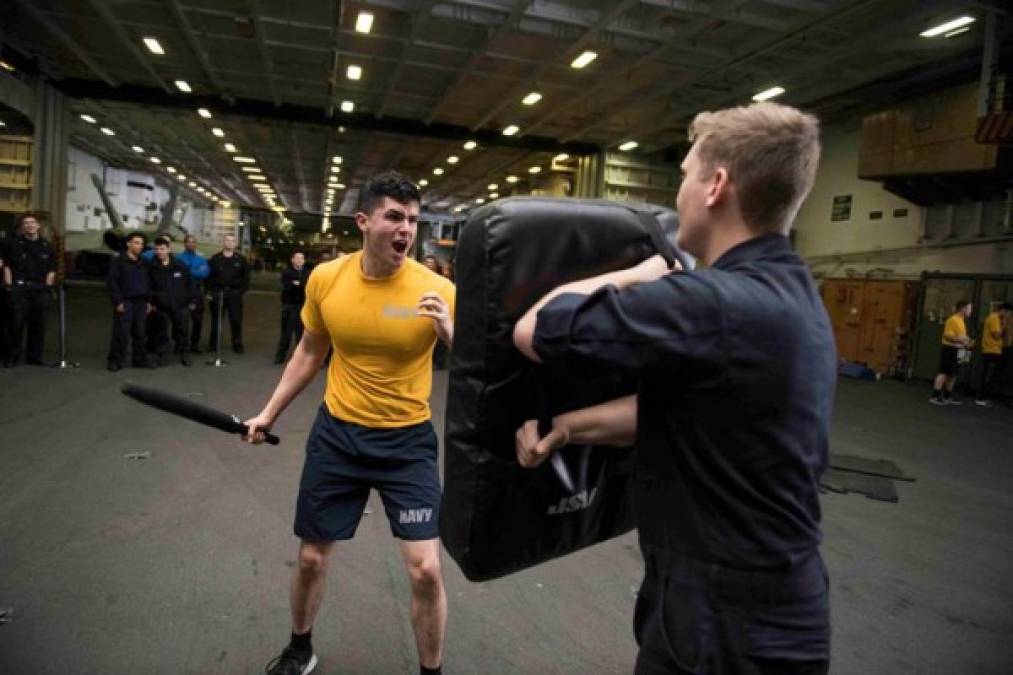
[(498, 517)]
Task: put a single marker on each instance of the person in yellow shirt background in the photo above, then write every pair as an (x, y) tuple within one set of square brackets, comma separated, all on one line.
[(955, 338), (993, 336)]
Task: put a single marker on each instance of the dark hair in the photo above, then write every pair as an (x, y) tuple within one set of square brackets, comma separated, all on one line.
[(1008, 306), (189, 236), (298, 250), (391, 184), (162, 241), (961, 304), (25, 216), (135, 233)]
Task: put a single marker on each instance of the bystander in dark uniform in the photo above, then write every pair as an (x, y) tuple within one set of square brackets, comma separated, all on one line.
[(3, 298), (172, 296), (293, 295), (228, 281), (29, 274), (129, 286)]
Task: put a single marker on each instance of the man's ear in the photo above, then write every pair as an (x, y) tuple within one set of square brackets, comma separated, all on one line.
[(719, 186), (361, 220)]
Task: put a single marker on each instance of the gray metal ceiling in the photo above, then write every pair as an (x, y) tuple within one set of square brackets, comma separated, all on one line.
[(461, 65)]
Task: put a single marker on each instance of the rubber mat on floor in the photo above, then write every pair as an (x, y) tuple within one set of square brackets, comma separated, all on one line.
[(872, 467), (873, 487)]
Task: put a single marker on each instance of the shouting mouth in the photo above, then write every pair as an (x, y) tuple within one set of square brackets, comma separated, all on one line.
[(400, 246)]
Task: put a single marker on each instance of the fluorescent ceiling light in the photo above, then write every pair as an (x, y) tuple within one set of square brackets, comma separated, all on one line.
[(347, 106), (6, 66), (511, 130), (470, 145), (493, 186), (183, 86), (256, 177), (954, 33), (89, 119), (423, 183), (244, 160), (204, 112), (628, 145), (2, 124), (192, 184), (340, 186), (438, 171), (217, 131), (768, 94), (453, 159), (229, 147), (154, 46), (170, 169), (480, 201), (948, 26), (584, 59), (251, 169), (181, 177), (512, 179), (493, 195), (364, 22), (561, 157), (337, 159), (354, 72), (226, 204), (156, 160), (534, 169), (532, 98), (335, 169), (137, 148), (107, 131)]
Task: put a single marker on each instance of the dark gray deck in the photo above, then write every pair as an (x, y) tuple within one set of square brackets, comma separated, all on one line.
[(181, 562)]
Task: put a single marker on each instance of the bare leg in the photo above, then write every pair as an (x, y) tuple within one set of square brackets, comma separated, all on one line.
[(951, 382), (429, 599), (307, 590), (939, 382)]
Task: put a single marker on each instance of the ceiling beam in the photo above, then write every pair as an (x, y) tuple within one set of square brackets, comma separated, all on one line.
[(263, 110), (418, 23), (102, 9), (650, 95), (297, 165), (265, 56), (478, 53), (68, 42), (567, 52), (196, 47)]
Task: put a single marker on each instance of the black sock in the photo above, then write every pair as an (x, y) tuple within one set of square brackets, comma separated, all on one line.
[(438, 670), (947, 394), (937, 393), (302, 643)]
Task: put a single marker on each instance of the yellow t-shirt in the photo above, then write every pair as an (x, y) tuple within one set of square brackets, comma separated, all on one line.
[(381, 373), (991, 336), (954, 328)]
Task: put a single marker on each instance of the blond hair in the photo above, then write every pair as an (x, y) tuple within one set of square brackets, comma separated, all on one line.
[(770, 152)]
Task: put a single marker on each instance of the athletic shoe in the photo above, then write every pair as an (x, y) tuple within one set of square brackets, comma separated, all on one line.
[(937, 401), (954, 401), (184, 359), (983, 403), (291, 662)]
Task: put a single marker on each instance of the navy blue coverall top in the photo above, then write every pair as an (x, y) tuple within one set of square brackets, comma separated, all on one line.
[(737, 370)]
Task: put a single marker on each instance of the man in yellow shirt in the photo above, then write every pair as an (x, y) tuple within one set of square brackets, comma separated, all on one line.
[(382, 313), (991, 351), (954, 339)]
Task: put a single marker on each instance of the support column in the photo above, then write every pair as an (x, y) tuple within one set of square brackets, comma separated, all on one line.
[(49, 163)]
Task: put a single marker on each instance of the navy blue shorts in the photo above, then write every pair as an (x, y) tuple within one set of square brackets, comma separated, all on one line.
[(344, 461)]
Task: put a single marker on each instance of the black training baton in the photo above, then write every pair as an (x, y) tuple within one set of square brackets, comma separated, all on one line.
[(184, 407)]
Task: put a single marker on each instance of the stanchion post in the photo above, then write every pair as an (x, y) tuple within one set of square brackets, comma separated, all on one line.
[(62, 322), (218, 361)]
